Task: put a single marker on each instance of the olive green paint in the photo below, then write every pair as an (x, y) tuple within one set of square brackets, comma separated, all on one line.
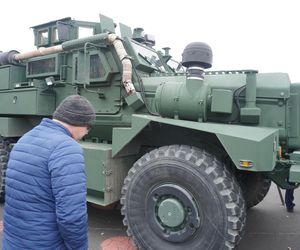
[(258, 145), (249, 115), (27, 101), (105, 174), (14, 127)]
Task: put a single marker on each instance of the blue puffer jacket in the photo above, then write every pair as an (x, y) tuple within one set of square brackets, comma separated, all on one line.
[(45, 202)]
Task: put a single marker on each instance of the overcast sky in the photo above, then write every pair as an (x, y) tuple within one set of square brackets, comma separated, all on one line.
[(243, 34)]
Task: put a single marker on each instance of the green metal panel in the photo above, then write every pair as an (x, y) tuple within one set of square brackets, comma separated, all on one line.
[(295, 156), (11, 74), (125, 30), (250, 115), (255, 145), (134, 100), (269, 85), (4, 77), (107, 24), (14, 127), (222, 100), (243, 143), (105, 175), (109, 105), (294, 117), (294, 175), (122, 136), (96, 156), (27, 101), (273, 114)]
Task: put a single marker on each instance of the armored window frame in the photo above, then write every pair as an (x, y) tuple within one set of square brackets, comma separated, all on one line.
[(41, 39), (82, 66), (140, 61), (55, 70)]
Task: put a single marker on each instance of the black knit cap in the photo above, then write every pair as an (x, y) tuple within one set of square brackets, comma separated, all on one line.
[(75, 110)]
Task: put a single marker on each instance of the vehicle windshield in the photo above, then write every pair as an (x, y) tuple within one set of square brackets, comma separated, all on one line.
[(148, 56), (176, 66)]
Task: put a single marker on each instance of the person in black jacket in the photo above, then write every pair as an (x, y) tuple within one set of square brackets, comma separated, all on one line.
[(289, 200)]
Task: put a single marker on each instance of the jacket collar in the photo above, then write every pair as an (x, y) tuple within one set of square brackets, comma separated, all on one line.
[(55, 125)]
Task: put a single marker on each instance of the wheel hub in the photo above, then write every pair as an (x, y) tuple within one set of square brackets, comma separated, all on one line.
[(172, 212)]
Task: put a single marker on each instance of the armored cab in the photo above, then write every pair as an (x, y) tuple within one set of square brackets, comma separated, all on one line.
[(185, 150)]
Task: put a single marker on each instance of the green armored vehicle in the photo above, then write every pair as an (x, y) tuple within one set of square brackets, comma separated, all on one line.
[(185, 150)]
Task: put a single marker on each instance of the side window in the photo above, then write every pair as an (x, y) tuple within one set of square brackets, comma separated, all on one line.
[(96, 67), (41, 66), (43, 37), (93, 67), (85, 32)]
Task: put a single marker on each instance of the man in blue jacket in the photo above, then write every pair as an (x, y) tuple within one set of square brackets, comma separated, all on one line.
[(45, 202)]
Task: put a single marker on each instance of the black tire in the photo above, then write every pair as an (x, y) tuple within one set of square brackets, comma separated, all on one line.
[(181, 197), (4, 154), (255, 187)]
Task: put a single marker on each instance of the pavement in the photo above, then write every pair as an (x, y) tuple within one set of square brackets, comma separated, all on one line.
[(269, 226)]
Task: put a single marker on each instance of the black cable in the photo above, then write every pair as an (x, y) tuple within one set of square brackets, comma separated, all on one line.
[(236, 94)]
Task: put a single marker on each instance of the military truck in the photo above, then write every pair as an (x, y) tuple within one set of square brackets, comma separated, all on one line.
[(185, 150)]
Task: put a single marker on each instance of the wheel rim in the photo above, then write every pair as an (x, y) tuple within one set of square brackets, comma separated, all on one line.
[(172, 212)]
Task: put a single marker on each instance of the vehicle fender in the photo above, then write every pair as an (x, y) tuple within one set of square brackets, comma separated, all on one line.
[(257, 146)]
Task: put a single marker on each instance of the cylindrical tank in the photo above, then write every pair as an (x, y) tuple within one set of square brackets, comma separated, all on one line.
[(187, 100)]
